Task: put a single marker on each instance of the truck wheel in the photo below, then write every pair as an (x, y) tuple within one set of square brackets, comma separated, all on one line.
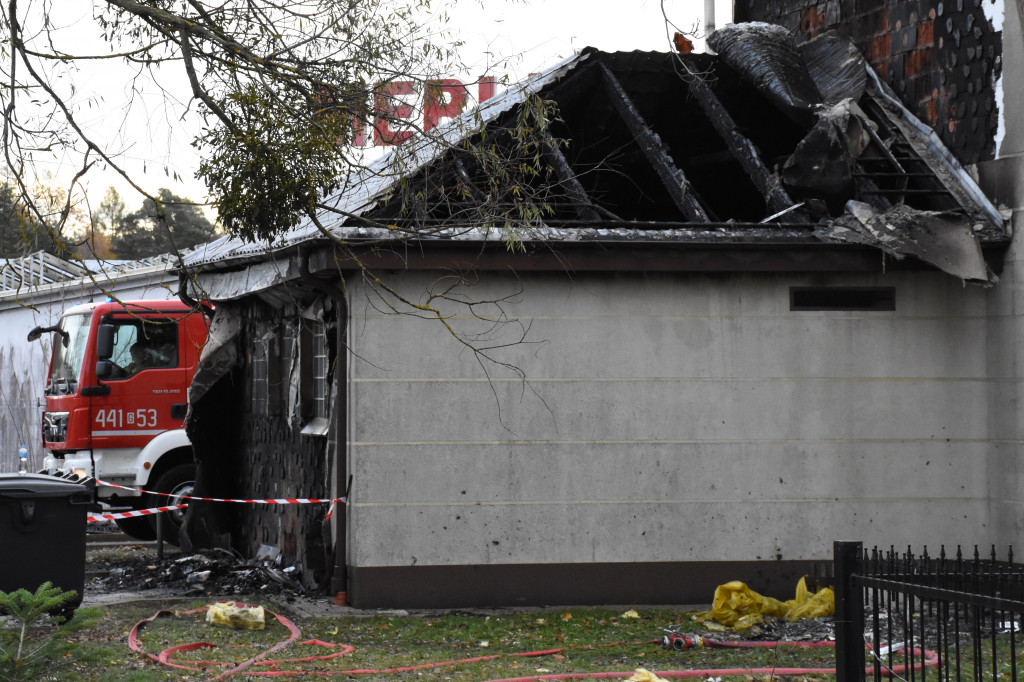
[(176, 481), (138, 527)]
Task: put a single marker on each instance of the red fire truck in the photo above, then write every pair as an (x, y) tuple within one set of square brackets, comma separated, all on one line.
[(116, 399)]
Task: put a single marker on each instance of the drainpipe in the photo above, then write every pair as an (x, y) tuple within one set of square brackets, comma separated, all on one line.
[(339, 574), (709, 17)]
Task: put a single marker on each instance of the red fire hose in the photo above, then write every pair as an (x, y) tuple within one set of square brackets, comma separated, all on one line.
[(166, 657)]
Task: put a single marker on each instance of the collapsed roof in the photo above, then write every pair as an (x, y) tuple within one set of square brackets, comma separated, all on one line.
[(764, 143), (40, 269)]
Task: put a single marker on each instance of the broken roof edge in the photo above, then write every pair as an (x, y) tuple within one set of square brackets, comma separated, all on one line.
[(637, 251), (298, 270), (373, 181), (936, 147), (278, 264)]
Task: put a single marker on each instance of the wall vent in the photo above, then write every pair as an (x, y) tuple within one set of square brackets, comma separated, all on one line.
[(842, 298)]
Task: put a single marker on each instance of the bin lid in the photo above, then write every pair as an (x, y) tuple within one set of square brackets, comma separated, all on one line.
[(37, 485)]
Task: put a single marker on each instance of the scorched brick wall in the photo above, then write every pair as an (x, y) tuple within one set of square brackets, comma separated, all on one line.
[(942, 58), (278, 460)]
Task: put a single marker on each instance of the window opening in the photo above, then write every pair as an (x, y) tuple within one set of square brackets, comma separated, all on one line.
[(320, 367), (260, 378), (314, 352), (285, 359)]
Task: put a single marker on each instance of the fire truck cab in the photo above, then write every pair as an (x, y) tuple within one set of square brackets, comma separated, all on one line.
[(116, 399)]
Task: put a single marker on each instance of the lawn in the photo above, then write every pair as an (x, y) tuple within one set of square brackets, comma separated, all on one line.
[(436, 646), (365, 645)]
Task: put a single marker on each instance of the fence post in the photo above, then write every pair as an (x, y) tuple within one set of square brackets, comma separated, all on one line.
[(849, 617)]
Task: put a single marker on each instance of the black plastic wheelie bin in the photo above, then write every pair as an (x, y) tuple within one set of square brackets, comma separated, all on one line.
[(42, 533)]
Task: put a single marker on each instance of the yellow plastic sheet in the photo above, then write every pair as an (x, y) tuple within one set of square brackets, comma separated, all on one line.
[(236, 615), (737, 607)]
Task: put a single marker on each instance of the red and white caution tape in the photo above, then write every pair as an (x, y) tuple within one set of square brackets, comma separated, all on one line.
[(274, 500), (95, 518)]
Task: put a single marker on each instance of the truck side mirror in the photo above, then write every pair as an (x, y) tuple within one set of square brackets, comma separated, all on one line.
[(104, 343), (104, 369), (39, 331)]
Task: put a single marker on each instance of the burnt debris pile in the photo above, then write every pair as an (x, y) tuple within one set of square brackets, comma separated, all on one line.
[(216, 572)]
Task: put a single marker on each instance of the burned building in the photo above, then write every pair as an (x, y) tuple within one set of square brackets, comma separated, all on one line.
[(754, 313)]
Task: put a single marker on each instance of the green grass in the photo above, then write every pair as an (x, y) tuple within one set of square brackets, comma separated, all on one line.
[(966, 665), (588, 640)]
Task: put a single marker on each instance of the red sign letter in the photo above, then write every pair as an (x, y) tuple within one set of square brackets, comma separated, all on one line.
[(485, 88), (443, 99), (389, 111)]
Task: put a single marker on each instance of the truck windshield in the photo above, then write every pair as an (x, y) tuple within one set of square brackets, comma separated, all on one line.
[(68, 354)]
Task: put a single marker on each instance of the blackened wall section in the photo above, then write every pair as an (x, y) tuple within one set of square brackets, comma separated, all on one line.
[(942, 57), (269, 456), (281, 461)]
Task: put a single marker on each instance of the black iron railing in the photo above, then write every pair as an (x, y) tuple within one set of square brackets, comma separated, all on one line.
[(901, 616)]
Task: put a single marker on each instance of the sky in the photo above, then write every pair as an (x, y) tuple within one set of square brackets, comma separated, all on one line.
[(502, 38), (541, 33)]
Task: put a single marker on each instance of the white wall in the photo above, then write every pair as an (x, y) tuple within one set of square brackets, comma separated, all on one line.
[(674, 417)]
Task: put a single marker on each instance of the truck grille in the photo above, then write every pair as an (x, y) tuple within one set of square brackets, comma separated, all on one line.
[(55, 427)]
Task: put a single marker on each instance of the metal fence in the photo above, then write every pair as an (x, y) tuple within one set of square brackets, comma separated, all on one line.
[(901, 616)]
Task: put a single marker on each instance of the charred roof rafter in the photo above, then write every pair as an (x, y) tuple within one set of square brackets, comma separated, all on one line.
[(744, 151), (467, 181), (573, 188), (671, 176)]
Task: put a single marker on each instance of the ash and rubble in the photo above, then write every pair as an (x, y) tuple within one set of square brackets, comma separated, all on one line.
[(779, 629), (132, 568), (804, 630)]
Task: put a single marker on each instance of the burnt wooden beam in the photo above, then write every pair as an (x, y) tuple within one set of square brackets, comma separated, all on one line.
[(573, 188), (474, 191), (671, 176), (743, 150)]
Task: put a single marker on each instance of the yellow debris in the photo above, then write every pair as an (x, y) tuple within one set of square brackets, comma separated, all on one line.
[(738, 607), (236, 615)]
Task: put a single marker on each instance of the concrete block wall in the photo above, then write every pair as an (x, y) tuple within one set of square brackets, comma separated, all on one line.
[(1003, 181), (952, 63), (669, 418)]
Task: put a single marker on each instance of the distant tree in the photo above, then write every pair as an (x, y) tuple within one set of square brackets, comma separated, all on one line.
[(110, 212), (94, 243), (20, 233), (140, 234), (95, 240)]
